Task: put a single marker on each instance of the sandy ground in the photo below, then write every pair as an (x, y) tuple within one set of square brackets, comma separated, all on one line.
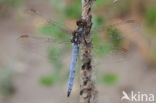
[(135, 74)]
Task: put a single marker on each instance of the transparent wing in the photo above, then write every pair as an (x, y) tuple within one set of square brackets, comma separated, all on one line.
[(57, 49), (70, 25), (58, 39)]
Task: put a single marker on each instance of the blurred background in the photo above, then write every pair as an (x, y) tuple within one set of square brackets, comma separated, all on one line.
[(35, 49)]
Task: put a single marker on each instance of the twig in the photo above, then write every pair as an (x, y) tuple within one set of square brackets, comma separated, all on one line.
[(87, 87)]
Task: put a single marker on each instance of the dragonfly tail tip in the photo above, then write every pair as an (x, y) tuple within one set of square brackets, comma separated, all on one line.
[(68, 94)]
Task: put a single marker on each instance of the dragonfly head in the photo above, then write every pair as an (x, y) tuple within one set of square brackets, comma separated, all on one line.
[(81, 22)]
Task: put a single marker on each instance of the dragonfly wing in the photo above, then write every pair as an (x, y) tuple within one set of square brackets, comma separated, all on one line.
[(51, 21), (32, 44), (72, 68)]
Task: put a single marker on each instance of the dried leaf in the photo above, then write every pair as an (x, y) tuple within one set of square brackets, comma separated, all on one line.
[(131, 21), (33, 10), (123, 49), (24, 36)]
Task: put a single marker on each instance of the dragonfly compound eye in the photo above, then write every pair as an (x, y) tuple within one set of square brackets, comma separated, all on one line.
[(81, 22)]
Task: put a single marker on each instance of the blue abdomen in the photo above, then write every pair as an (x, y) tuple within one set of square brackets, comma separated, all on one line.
[(72, 68)]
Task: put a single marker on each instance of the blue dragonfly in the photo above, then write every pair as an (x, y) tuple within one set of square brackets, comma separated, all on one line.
[(76, 42)]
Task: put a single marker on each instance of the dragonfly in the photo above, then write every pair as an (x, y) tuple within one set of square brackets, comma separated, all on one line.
[(75, 41)]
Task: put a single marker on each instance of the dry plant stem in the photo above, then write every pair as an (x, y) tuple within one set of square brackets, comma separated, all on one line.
[(87, 88)]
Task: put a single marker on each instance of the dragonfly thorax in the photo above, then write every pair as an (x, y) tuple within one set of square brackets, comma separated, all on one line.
[(78, 34)]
